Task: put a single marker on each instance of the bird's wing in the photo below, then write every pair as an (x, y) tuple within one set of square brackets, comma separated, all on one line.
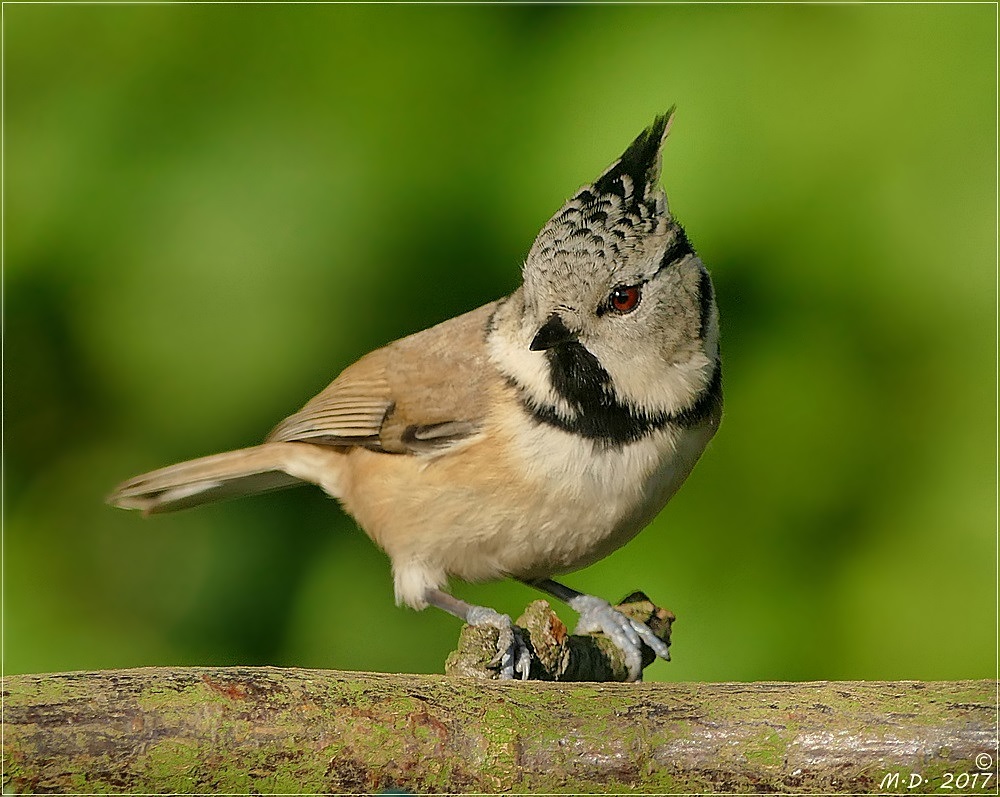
[(419, 394), (350, 411)]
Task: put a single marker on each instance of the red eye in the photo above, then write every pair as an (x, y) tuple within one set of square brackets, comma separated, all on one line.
[(624, 298)]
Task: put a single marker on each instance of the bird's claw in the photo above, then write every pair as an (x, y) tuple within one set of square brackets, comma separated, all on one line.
[(627, 634), (513, 658)]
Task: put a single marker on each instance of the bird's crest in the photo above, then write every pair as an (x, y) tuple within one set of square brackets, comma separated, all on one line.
[(611, 215)]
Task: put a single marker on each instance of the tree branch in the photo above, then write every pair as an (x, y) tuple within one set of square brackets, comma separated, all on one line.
[(271, 730)]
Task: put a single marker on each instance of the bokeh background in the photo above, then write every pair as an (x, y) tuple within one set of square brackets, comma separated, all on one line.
[(210, 210)]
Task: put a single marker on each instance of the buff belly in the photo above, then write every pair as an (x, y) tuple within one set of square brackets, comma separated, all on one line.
[(556, 505)]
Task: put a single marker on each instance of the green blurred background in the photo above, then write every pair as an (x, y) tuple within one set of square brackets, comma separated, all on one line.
[(211, 210)]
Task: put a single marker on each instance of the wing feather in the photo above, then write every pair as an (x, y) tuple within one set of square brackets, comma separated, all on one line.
[(419, 395), (350, 410)]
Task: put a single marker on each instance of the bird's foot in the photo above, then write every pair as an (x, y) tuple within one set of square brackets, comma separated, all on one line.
[(628, 635), (513, 659)]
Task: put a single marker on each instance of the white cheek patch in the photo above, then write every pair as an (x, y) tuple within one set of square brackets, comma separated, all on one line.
[(658, 387)]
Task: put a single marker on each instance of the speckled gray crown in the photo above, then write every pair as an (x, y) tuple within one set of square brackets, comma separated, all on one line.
[(612, 215)]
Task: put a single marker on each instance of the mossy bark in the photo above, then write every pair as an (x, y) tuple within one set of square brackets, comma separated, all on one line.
[(243, 730), (557, 655)]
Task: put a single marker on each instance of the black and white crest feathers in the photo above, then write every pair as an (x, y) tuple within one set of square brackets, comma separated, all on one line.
[(613, 215), (635, 175)]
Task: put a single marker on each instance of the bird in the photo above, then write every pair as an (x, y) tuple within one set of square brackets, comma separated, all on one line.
[(525, 439)]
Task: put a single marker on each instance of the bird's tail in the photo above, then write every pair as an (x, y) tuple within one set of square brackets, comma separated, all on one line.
[(271, 466)]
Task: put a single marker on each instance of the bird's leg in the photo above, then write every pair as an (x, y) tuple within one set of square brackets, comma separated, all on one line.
[(513, 657), (596, 614)]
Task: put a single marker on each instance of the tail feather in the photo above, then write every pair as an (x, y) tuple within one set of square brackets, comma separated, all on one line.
[(233, 474)]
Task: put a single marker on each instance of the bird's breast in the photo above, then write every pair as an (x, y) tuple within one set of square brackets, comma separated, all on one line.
[(522, 498), (591, 499)]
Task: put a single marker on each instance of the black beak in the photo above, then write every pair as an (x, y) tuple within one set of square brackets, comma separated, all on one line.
[(553, 333)]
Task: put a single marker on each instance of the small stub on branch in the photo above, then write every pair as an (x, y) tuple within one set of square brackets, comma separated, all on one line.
[(557, 655)]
